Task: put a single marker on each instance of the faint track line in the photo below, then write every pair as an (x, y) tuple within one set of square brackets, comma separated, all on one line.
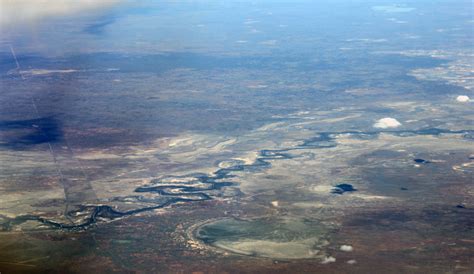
[(50, 147)]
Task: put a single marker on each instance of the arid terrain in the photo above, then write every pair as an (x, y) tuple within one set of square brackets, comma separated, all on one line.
[(195, 137)]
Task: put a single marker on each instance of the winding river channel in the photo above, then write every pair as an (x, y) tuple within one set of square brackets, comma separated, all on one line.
[(196, 187)]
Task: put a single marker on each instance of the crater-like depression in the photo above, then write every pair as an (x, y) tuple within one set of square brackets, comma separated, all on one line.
[(279, 238)]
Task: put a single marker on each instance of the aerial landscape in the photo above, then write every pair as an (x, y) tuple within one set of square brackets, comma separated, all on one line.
[(236, 136)]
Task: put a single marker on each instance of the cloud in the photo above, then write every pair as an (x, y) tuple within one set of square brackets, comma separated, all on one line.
[(462, 98), (367, 40), (14, 12), (269, 42), (395, 20), (346, 248), (46, 71), (250, 22), (328, 260), (392, 8), (387, 123)]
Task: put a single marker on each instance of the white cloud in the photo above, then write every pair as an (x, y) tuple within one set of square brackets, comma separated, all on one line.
[(46, 71), (392, 8), (387, 123), (462, 98), (269, 42), (346, 248), (250, 22), (329, 259), (367, 40)]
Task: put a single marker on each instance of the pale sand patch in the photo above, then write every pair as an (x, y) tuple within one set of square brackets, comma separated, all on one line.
[(310, 205), (271, 249)]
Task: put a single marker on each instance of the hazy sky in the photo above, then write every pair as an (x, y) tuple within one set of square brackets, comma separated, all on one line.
[(27, 11)]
